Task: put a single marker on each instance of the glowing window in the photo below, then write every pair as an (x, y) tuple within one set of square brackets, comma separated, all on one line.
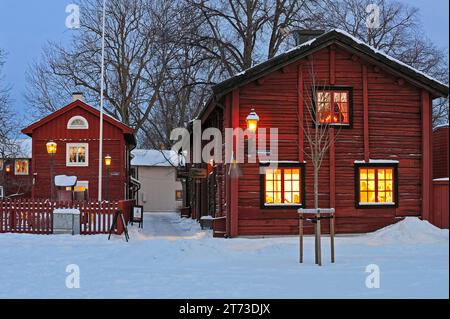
[(77, 154), (333, 107), (81, 186), (282, 186), (77, 123), (21, 167), (376, 186)]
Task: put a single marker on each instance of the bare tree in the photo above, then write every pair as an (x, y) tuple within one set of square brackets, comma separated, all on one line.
[(238, 32), (319, 106), (8, 136), (399, 33), (138, 52)]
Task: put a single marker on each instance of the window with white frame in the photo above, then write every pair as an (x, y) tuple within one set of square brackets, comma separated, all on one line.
[(21, 167), (77, 123), (77, 154), (2, 195)]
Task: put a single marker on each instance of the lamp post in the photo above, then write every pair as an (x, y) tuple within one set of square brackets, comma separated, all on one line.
[(108, 160), (51, 150)]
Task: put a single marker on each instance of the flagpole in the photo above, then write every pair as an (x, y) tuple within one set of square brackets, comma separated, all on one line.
[(102, 80)]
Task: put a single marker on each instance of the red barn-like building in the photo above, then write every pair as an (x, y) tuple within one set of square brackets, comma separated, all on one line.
[(75, 129), (440, 152), (378, 170)]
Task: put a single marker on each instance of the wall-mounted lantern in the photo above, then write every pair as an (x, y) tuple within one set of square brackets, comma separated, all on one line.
[(252, 121)]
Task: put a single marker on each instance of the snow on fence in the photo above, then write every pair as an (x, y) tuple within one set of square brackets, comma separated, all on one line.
[(36, 216)]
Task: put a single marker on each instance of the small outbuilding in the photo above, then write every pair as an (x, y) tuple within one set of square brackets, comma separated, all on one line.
[(160, 189)]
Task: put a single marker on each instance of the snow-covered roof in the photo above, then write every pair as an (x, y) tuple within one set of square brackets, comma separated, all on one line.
[(304, 49), (154, 158), (376, 51), (438, 127), (65, 181)]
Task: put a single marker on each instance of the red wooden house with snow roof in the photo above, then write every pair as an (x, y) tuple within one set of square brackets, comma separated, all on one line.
[(75, 130), (378, 170)]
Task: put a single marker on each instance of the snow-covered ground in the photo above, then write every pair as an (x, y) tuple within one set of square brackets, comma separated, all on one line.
[(173, 258)]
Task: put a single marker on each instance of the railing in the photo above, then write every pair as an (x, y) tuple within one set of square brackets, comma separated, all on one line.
[(36, 216), (25, 216)]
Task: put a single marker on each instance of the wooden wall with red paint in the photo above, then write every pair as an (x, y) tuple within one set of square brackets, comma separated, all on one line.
[(395, 133), (440, 152), (113, 144)]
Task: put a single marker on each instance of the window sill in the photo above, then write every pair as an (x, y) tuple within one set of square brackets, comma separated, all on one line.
[(282, 206), (76, 165), (376, 205)]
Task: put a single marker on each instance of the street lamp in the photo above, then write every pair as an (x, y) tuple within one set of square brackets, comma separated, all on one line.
[(51, 150), (252, 121), (108, 160)]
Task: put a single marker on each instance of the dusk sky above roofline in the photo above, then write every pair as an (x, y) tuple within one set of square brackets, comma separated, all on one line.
[(26, 26)]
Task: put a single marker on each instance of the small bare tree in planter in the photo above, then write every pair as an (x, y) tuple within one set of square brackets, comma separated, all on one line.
[(323, 113)]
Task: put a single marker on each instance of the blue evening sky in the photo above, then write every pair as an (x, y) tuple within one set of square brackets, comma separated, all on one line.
[(25, 27)]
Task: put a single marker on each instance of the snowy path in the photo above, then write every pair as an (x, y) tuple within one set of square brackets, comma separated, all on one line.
[(173, 258), (165, 225)]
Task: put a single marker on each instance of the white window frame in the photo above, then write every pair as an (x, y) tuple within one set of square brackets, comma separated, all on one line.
[(70, 126), (15, 167), (2, 194), (68, 146)]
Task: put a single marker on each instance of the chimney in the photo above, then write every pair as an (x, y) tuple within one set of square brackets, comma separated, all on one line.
[(302, 36), (77, 96)]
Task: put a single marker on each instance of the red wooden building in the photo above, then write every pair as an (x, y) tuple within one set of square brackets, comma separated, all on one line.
[(378, 170), (440, 152), (75, 130), (15, 177)]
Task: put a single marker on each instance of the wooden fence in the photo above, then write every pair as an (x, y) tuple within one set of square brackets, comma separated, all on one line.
[(36, 216), (440, 212)]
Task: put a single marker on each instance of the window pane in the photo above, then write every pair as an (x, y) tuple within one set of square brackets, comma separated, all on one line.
[(381, 174), (287, 186), (381, 197), (363, 173), (389, 174), (269, 186), (296, 174), (363, 197), (296, 198), (371, 174), (277, 197), (381, 186), (269, 198), (363, 186), (296, 185), (371, 197), (389, 198), (288, 198), (269, 174), (371, 186), (389, 186), (287, 174)]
